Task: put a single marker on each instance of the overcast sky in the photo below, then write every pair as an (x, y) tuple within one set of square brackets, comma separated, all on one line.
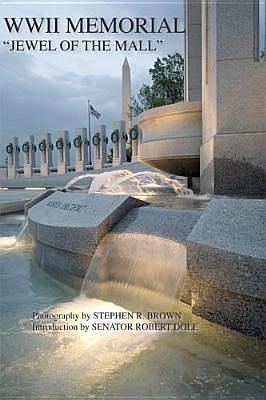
[(48, 91)]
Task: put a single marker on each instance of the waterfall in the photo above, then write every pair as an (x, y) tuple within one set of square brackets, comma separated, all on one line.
[(143, 262), (24, 230), (10, 242)]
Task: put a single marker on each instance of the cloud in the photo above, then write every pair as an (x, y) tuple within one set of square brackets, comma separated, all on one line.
[(48, 92), (33, 103)]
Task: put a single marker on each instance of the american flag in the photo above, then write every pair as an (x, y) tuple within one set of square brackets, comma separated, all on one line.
[(92, 111)]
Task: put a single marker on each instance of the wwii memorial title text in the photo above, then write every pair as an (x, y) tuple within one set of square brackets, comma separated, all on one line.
[(93, 34)]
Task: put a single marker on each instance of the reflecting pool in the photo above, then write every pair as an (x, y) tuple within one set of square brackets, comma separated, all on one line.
[(210, 363)]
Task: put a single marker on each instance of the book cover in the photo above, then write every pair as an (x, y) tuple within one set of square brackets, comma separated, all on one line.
[(132, 199)]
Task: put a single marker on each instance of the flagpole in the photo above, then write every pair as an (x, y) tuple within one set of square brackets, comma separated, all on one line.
[(89, 129)]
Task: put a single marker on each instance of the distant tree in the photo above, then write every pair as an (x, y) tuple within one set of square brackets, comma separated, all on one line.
[(110, 156), (167, 86), (129, 153)]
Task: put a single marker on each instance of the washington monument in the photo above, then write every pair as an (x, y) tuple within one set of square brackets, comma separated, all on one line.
[(126, 94)]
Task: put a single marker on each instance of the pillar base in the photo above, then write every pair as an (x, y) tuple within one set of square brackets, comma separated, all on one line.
[(98, 164), (61, 169), (117, 162), (28, 170), (45, 171), (233, 164), (135, 158), (12, 173), (80, 166)]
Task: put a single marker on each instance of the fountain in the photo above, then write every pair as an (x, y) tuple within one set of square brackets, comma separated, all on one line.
[(119, 227), (72, 234), (130, 262), (122, 181), (127, 182), (143, 182)]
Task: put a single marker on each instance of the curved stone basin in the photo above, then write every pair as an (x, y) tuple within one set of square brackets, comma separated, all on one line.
[(144, 249), (218, 252), (67, 227), (171, 137)]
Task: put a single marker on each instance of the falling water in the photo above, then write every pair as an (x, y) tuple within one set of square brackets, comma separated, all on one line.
[(147, 263), (10, 242), (97, 180), (145, 182), (77, 179), (142, 261), (23, 232), (127, 182), (107, 180)]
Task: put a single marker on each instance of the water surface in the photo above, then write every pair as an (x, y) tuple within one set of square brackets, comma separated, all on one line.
[(212, 363)]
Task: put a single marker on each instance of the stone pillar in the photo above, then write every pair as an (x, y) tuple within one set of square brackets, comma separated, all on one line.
[(46, 148), (100, 141), (193, 50), (81, 149), (63, 157), (233, 100), (134, 134), (29, 150), (13, 150), (119, 139)]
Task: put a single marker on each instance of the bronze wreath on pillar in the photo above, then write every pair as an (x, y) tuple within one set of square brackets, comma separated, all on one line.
[(42, 145), (96, 139), (59, 144), (133, 133), (26, 147), (9, 148), (115, 136), (77, 142)]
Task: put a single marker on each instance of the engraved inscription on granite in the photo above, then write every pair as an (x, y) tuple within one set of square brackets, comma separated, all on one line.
[(66, 206)]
